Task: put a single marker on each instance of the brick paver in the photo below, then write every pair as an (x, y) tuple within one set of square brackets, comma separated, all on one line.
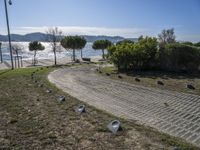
[(181, 118)]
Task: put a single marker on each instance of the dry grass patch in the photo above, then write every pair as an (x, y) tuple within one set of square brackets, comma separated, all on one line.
[(30, 118), (171, 81)]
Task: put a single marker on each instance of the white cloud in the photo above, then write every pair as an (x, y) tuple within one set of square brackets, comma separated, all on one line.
[(189, 37), (125, 32), (78, 30)]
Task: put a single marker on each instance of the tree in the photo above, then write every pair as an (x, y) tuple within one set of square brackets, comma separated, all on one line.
[(35, 46), (197, 44), (181, 57), (101, 45), (188, 43), (1, 57), (73, 43), (140, 55), (54, 36), (82, 45), (121, 55), (16, 49), (125, 41), (140, 38), (167, 37)]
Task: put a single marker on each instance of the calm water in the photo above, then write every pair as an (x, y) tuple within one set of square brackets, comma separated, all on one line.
[(47, 53)]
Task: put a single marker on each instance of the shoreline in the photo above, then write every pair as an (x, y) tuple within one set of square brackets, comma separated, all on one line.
[(44, 62)]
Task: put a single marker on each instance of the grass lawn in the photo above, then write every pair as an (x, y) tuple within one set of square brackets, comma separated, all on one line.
[(172, 82), (31, 118)]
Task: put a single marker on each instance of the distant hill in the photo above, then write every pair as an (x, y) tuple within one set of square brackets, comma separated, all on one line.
[(42, 38)]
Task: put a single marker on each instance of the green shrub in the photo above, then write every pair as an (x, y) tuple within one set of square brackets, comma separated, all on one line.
[(134, 56), (145, 54), (180, 57)]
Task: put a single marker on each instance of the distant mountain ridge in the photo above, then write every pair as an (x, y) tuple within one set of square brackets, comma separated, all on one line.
[(42, 38)]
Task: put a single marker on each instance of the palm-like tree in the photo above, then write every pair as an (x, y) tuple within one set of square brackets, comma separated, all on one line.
[(73, 43), (101, 45)]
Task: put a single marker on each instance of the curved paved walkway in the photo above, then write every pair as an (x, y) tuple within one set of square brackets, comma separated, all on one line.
[(181, 118)]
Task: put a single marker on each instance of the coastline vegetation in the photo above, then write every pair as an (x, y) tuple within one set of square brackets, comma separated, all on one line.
[(73, 43), (54, 36), (150, 53), (101, 45), (35, 46)]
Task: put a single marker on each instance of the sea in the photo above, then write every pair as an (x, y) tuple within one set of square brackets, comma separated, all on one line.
[(48, 53)]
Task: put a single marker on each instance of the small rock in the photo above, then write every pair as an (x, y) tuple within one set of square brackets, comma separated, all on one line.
[(108, 74), (12, 121), (190, 86), (160, 83), (114, 126), (61, 98), (48, 91), (80, 109), (77, 61), (166, 104), (120, 77), (40, 85), (137, 80)]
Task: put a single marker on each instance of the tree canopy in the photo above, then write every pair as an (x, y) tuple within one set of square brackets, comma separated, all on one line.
[(36, 46), (73, 43), (54, 36), (125, 41), (197, 44), (17, 48), (101, 45), (167, 36)]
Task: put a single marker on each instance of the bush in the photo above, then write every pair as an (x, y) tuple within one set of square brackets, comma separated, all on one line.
[(125, 42), (197, 44), (122, 56), (146, 54), (180, 57), (134, 56)]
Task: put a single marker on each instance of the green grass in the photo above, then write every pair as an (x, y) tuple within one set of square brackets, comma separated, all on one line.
[(30, 118)]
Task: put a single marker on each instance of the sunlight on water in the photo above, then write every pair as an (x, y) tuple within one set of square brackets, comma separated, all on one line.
[(47, 53)]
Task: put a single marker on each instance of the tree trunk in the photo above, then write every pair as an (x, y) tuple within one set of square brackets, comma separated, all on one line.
[(55, 59), (34, 60), (18, 59), (81, 53), (74, 55), (1, 57), (103, 53)]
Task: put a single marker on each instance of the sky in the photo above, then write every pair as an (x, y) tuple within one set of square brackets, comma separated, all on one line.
[(127, 18)]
